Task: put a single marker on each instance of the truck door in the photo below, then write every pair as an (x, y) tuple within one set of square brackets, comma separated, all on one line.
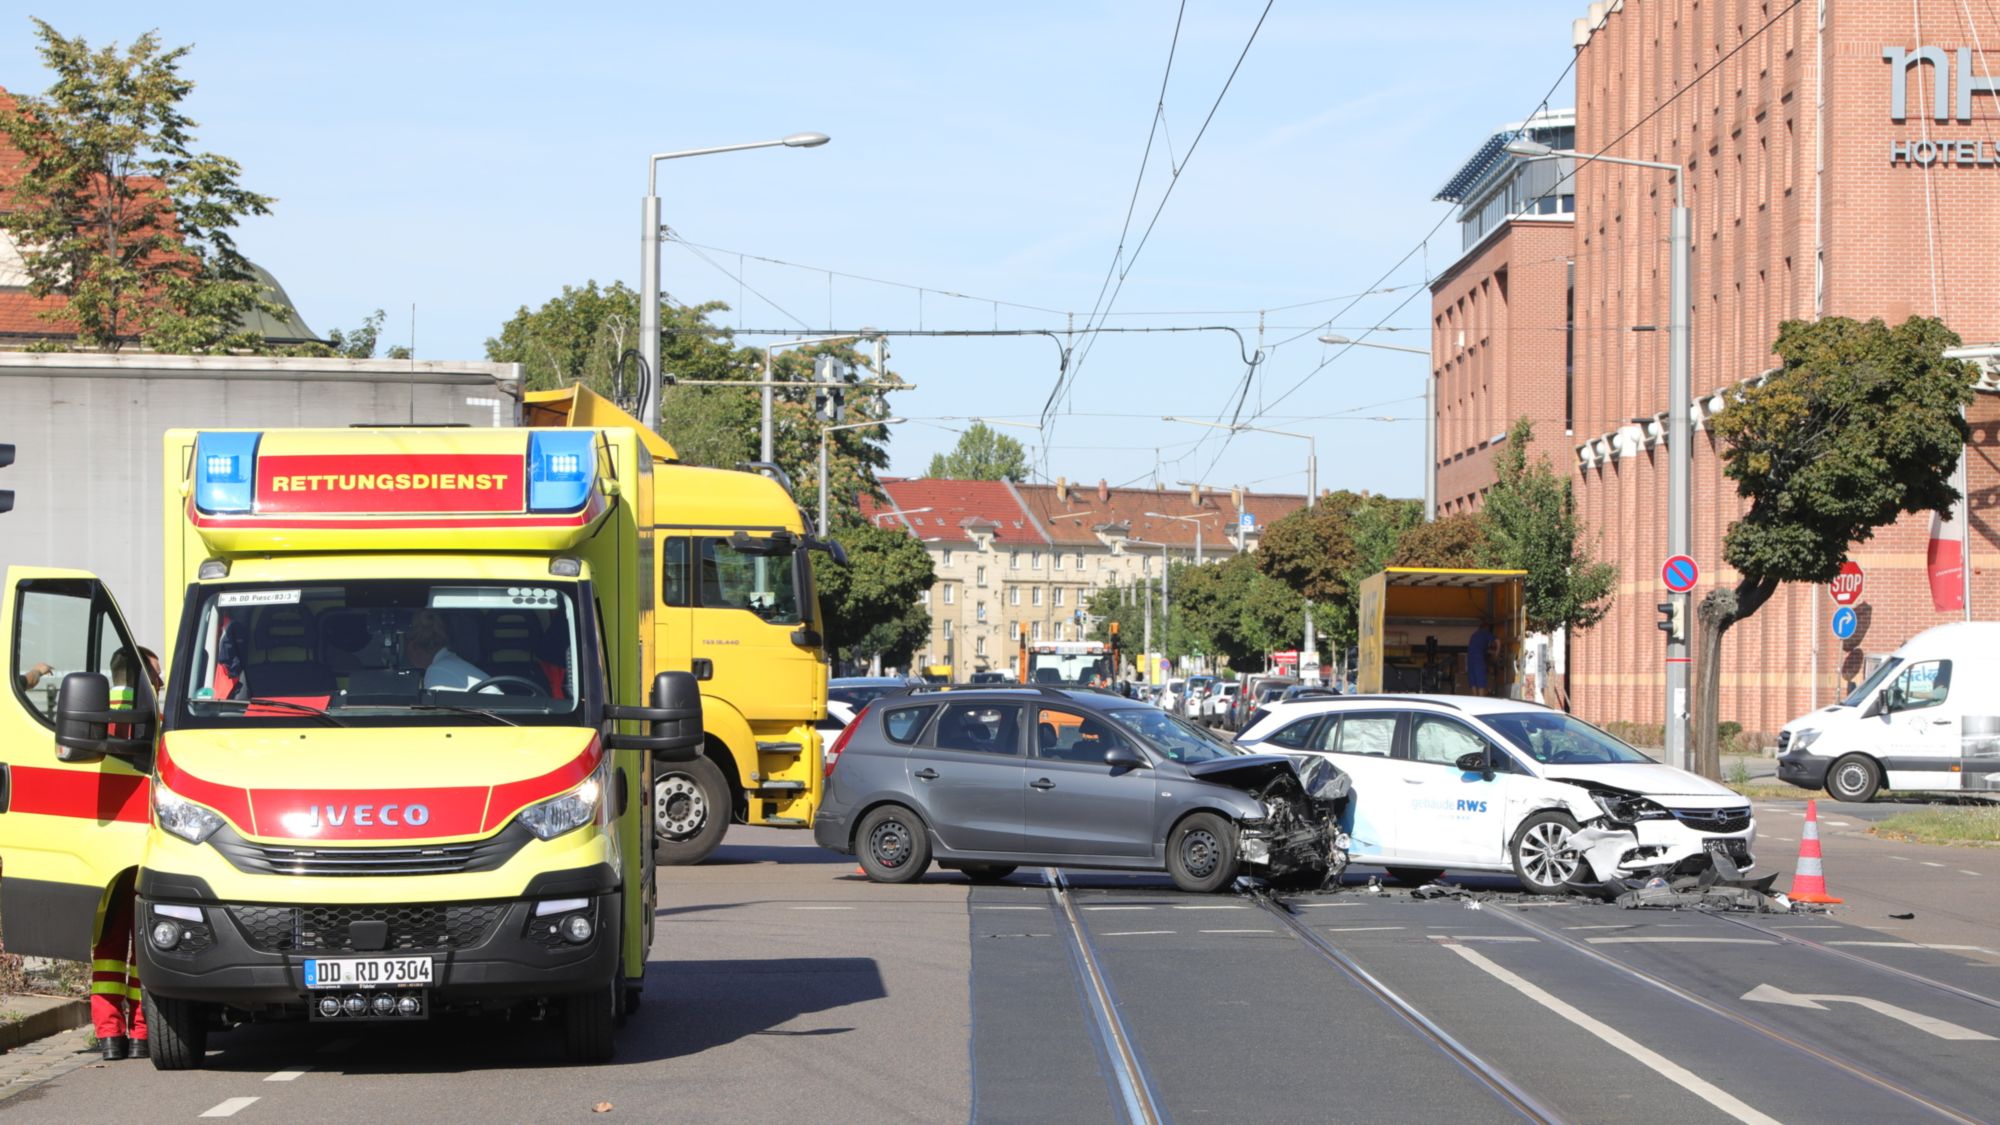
[(67, 829)]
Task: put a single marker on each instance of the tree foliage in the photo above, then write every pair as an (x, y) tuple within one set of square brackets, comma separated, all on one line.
[(360, 343), (982, 453), (1860, 424), (1461, 541), (1532, 526), (117, 213), (871, 605)]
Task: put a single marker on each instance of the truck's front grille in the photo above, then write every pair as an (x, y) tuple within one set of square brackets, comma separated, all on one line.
[(398, 859), (327, 929)]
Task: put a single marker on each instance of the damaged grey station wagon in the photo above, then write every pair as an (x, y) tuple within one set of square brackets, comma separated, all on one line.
[(987, 779)]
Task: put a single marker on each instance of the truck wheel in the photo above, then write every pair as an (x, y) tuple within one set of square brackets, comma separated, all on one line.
[(1201, 853), (1854, 778), (176, 1033), (893, 845), (691, 806)]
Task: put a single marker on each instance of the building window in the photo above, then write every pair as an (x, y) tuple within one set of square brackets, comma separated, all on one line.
[(1058, 560), (947, 628), (946, 561), (925, 597), (1059, 595), (1036, 596), (1013, 560), (980, 612), (1013, 595), (950, 598), (1034, 560), (1036, 630), (979, 576), (979, 646)]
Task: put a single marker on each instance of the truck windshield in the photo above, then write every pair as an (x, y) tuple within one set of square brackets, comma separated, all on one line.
[(382, 652), (1860, 695), (1069, 668)]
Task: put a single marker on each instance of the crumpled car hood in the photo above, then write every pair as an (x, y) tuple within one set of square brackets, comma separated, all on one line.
[(1320, 779)]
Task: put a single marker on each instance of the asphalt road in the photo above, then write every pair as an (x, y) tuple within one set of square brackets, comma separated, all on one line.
[(786, 987)]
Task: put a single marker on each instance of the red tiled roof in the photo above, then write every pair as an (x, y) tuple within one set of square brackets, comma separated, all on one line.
[(1075, 520), (955, 507)]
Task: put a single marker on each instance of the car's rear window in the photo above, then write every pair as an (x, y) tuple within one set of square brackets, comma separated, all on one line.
[(905, 723)]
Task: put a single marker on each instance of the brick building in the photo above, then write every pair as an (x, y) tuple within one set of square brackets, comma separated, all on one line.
[(1841, 159), (1014, 557), (1499, 315)]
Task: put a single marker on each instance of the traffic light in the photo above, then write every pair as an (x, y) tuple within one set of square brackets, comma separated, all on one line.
[(6, 494), (829, 401), (1673, 619)]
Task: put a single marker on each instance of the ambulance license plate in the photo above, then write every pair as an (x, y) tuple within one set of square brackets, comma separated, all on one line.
[(368, 972)]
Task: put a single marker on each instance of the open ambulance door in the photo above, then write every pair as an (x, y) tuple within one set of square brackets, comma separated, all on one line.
[(75, 751)]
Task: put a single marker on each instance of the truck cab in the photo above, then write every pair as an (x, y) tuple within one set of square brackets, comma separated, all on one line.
[(400, 762)]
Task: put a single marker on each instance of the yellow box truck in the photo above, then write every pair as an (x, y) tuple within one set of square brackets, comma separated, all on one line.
[(1453, 632)]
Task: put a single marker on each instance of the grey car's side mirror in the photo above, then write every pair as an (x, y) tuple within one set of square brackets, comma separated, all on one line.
[(1124, 758)]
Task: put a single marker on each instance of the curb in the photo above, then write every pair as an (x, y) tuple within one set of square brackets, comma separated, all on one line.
[(45, 1016)]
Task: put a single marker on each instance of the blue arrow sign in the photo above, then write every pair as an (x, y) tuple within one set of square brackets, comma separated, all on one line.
[(1844, 622)]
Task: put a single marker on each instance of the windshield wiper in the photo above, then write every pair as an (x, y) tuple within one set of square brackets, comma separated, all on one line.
[(292, 706), (454, 709)]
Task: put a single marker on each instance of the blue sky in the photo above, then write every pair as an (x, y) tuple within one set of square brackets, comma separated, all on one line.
[(468, 165)]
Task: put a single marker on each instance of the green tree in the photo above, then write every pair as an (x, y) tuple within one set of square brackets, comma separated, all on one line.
[(1532, 523), (1456, 542), (118, 214), (360, 343), (982, 453), (1860, 424), (871, 605), (1233, 610)]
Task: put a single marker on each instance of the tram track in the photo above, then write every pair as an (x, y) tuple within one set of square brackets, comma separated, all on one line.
[(1131, 1087), (1856, 958)]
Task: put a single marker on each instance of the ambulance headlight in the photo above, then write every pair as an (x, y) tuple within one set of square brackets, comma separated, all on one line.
[(1803, 738), (182, 817), (571, 811)]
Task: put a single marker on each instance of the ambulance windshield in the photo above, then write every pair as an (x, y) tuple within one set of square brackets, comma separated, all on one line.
[(398, 652)]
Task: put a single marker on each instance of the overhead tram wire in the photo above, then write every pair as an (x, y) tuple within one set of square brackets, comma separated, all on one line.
[(1067, 379)]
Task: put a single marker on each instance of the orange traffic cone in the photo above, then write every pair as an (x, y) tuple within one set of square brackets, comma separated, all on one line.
[(1809, 881)]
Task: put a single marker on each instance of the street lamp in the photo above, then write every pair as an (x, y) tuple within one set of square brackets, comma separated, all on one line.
[(825, 430), (649, 263), (1195, 520), (1311, 651), (1680, 447), (1430, 419), (1147, 641), (764, 410)]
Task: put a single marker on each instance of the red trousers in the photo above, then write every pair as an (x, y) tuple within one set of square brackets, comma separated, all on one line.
[(116, 1006)]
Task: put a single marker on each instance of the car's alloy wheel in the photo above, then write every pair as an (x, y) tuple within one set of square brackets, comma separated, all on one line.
[(1545, 855)]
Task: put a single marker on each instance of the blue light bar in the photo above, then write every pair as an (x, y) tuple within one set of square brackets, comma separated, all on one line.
[(225, 472), (561, 469)]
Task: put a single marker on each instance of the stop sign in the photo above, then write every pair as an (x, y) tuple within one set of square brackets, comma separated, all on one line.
[(1846, 586)]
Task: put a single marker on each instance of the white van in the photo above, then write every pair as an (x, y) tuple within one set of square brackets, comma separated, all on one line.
[(1928, 720)]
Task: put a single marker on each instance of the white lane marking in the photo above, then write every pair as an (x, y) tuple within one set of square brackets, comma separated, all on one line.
[(1900, 858), (985, 907), (1928, 863), (1136, 933), (1835, 823), (229, 1108), (1678, 940), (1809, 927), (822, 908), (1612, 1037), (1211, 908), (1775, 836), (1502, 938), (1963, 871), (1117, 908), (1622, 926), (1880, 944), (1233, 931), (288, 1075), (1358, 929), (1931, 1025), (1318, 905)]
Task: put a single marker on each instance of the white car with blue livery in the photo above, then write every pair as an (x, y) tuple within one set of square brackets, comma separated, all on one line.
[(1464, 783)]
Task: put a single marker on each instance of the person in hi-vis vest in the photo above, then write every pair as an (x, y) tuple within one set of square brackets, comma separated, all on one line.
[(117, 1007)]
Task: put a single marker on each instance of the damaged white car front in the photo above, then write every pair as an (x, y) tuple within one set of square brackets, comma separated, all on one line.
[(1634, 834)]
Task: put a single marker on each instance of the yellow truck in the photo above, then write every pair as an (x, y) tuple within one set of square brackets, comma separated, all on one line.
[(1433, 630), (736, 607), (414, 699)]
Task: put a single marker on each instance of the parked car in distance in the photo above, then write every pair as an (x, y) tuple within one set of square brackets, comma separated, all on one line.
[(985, 779), (1927, 720), (857, 691), (1466, 783), (1215, 711), (992, 678)]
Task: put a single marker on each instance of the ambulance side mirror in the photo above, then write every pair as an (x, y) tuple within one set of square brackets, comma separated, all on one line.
[(673, 715), (88, 728)]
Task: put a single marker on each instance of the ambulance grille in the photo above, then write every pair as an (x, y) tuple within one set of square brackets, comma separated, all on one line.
[(317, 929), (401, 859)]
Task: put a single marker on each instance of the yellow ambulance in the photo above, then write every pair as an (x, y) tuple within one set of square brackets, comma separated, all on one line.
[(402, 763)]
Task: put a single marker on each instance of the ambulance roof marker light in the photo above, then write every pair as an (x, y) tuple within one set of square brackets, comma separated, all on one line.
[(564, 566), (225, 472), (561, 467)]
